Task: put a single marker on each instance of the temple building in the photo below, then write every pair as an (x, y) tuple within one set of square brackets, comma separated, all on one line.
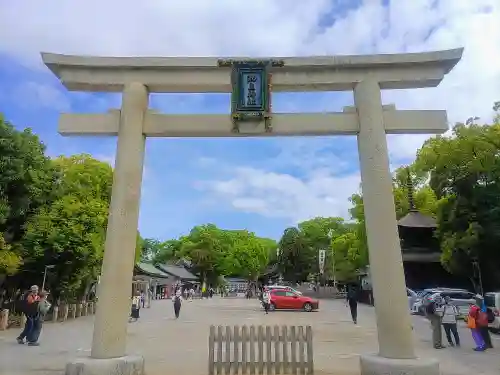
[(179, 275), (421, 251), (157, 280)]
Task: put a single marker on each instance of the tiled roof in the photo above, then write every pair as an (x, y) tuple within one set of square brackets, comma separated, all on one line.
[(415, 219), (149, 269), (177, 271)]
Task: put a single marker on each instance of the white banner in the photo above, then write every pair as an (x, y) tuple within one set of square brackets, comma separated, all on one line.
[(321, 260)]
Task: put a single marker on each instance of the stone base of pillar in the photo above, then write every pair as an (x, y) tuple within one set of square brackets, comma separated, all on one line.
[(128, 365), (376, 365)]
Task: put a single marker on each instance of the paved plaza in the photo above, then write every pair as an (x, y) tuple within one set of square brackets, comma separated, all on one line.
[(180, 347)]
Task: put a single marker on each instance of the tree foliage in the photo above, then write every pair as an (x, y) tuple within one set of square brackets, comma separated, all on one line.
[(464, 173), (70, 232), (214, 252), (26, 183)]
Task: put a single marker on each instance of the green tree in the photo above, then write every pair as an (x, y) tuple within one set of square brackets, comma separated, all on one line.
[(271, 247), (464, 173), (249, 254), (84, 177), (149, 248), (167, 251), (206, 247), (295, 255), (349, 255), (69, 233), (9, 260), (318, 233), (26, 183)]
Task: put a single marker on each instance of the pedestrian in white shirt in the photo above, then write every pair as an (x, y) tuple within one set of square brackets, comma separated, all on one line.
[(449, 313), (266, 300)]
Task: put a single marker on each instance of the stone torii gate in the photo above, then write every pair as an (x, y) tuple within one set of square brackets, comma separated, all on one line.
[(369, 120)]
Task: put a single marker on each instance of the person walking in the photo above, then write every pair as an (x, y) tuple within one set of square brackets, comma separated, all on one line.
[(43, 307), (177, 300), (352, 296), (135, 308), (449, 316), (482, 322), (29, 310), (266, 300), (433, 314)]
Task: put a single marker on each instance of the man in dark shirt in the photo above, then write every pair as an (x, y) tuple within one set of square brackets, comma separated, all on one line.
[(352, 301), (30, 309)]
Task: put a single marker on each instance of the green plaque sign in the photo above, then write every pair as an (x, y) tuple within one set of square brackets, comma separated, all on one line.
[(251, 91)]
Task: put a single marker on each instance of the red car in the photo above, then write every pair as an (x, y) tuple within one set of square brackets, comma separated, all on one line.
[(286, 300)]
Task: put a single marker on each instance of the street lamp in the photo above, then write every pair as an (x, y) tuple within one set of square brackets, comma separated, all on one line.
[(278, 260), (477, 273), (50, 266), (330, 236)]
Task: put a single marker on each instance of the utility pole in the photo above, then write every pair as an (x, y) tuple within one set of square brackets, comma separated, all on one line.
[(45, 274)]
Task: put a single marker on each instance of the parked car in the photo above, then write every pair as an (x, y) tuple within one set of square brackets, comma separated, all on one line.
[(421, 300), (492, 301), (282, 287), (286, 300), (459, 297)]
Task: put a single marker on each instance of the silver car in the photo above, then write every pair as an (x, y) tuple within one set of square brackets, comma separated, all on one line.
[(412, 297), (461, 298)]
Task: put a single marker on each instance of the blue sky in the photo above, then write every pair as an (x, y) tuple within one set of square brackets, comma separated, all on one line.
[(263, 185)]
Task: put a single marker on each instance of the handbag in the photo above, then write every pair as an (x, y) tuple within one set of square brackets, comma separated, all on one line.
[(471, 322)]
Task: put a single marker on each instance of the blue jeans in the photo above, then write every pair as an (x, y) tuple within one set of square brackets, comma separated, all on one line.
[(28, 327), (34, 334)]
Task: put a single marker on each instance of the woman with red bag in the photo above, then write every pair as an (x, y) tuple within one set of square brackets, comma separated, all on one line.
[(482, 321), (475, 322)]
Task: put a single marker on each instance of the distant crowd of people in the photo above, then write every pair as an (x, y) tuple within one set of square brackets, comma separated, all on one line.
[(179, 294)]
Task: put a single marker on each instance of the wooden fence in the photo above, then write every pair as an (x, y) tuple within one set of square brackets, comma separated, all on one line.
[(258, 350)]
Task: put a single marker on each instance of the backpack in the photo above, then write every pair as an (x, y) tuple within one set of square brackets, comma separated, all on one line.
[(491, 316), (44, 307), (430, 308), (20, 303), (352, 293)]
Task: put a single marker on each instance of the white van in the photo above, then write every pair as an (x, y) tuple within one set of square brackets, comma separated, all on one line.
[(492, 301)]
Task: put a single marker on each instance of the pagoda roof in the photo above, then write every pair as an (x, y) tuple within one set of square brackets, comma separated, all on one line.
[(416, 219)]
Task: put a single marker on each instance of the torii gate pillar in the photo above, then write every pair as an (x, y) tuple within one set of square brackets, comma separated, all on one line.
[(369, 120)]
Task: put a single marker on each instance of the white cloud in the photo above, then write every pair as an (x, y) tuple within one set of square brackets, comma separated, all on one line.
[(276, 27), (285, 196), (35, 95)]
